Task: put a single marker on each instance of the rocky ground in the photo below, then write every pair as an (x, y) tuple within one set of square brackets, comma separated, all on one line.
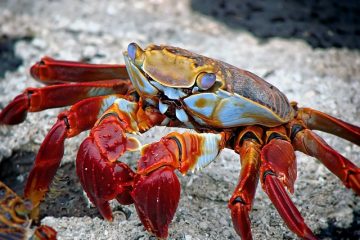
[(98, 31)]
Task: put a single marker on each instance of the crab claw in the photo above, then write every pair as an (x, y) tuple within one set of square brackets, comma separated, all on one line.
[(156, 198), (101, 175), (16, 111), (101, 179)]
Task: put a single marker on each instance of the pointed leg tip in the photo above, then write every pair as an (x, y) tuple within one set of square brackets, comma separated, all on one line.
[(309, 236), (286, 208), (354, 182), (34, 71), (241, 220), (16, 111)]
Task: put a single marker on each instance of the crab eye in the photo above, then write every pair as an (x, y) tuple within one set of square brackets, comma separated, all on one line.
[(132, 50), (205, 80), (136, 54)]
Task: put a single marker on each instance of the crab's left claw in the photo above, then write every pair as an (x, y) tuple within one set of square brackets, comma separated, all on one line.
[(156, 192), (156, 197)]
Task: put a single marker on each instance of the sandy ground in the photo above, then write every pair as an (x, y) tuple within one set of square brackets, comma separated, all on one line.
[(327, 80)]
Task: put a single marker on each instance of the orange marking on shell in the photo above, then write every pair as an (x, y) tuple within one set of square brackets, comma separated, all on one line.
[(201, 102)]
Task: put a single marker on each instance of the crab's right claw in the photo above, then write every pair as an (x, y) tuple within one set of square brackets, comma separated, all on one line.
[(15, 112), (103, 180)]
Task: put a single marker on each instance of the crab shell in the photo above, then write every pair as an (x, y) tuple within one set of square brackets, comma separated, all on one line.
[(236, 98)]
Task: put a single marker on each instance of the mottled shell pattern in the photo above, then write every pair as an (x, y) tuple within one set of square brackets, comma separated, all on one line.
[(236, 97)]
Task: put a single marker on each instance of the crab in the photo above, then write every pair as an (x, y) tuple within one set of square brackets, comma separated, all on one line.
[(168, 86), (14, 218)]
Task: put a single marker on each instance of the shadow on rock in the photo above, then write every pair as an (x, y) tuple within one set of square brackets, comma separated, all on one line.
[(323, 24), (334, 232), (65, 198), (9, 60)]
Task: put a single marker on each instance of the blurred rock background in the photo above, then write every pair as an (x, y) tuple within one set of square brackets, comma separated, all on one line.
[(309, 50)]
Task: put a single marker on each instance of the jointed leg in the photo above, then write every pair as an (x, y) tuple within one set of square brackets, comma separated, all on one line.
[(278, 169), (81, 116), (311, 144), (38, 99), (51, 71), (317, 120), (248, 146)]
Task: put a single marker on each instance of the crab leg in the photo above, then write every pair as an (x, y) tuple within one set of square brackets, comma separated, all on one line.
[(278, 169), (317, 120), (51, 71), (38, 99), (240, 204), (81, 116), (311, 144)]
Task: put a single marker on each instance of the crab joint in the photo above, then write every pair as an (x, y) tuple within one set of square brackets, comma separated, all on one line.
[(183, 151), (196, 151)]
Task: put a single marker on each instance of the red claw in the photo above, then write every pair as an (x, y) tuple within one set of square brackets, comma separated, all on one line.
[(101, 179), (101, 175), (156, 198), (16, 111)]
